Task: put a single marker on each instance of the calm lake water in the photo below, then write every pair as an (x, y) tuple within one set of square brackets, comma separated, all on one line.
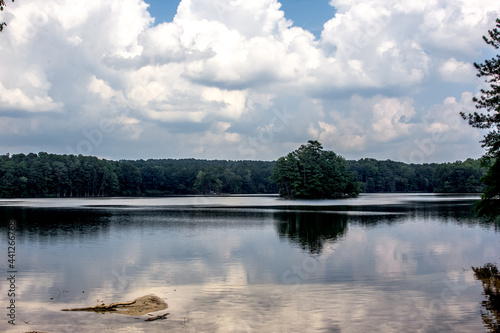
[(377, 263)]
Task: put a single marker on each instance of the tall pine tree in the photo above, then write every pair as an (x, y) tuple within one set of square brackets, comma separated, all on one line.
[(489, 101)]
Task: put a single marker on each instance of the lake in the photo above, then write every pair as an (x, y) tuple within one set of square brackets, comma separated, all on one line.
[(377, 263)]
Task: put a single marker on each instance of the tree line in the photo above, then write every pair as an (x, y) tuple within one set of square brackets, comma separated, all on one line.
[(389, 176), (53, 175)]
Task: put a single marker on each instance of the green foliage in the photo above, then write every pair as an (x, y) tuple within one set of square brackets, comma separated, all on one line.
[(389, 176), (50, 175), (489, 99), (130, 179), (489, 205), (459, 177), (311, 172), (489, 119)]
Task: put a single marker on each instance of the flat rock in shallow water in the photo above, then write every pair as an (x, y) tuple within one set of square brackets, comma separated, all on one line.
[(139, 306)]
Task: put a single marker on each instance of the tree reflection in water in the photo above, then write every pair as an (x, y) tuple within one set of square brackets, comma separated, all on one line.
[(490, 278), (311, 230)]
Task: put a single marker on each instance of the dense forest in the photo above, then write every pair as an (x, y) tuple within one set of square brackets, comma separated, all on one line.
[(389, 176), (51, 175)]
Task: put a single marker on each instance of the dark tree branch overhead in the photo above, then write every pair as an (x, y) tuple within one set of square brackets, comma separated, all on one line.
[(2, 5)]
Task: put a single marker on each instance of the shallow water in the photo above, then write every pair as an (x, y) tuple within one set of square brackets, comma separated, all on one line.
[(378, 263)]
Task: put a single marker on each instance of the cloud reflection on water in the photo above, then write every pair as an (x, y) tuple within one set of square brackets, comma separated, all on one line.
[(254, 269)]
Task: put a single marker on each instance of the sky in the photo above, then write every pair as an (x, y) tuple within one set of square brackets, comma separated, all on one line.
[(239, 80)]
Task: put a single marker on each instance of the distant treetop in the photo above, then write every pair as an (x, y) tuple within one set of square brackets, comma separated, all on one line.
[(311, 172)]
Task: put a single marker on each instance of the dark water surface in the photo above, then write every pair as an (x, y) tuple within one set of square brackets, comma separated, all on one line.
[(378, 263)]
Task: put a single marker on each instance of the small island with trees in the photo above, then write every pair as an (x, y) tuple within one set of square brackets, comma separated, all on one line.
[(313, 173)]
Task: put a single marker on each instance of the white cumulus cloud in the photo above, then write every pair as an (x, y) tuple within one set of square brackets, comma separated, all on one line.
[(212, 79), (457, 71)]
